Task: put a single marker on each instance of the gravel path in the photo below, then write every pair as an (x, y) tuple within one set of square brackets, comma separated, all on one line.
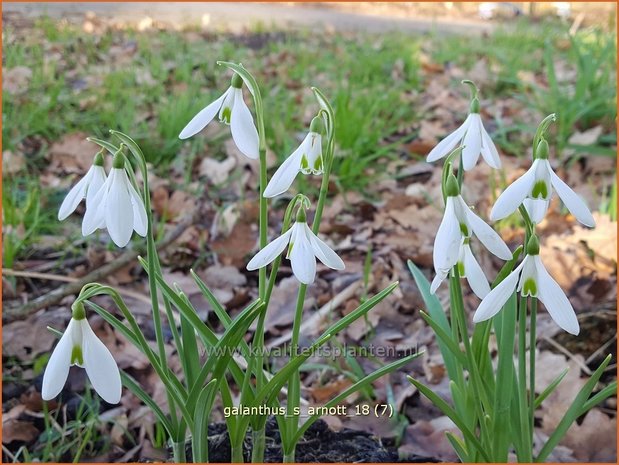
[(238, 15)]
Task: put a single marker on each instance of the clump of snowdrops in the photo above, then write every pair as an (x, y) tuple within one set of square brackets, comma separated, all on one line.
[(493, 405), (214, 365)]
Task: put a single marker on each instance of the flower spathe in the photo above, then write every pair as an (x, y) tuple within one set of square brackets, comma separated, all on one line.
[(451, 245), (117, 206), (307, 159), (80, 346), (86, 188), (233, 111), (531, 278), (304, 248), (534, 189), (473, 138)]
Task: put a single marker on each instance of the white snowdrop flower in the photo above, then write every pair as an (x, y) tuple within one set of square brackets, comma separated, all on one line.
[(307, 159), (80, 346), (468, 268), (117, 206), (304, 248), (531, 278), (86, 188), (451, 243), (233, 111), (473, 137), (534, 189)]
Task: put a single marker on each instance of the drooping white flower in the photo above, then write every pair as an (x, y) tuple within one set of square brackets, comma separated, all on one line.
[(80, 346), (534, 189), (117, 206), (451, 243), (307, 159), (304, 248), (87, 188), (531, 278), (474, 139), (467, 268), (233, 111)]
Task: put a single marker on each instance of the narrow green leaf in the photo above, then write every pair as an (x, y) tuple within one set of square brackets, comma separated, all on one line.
[(605, 393), (458, 446), (550, 388), (369, 379), (202, 415), (573, 412), (436, 312), (135, 388), (451, 413)]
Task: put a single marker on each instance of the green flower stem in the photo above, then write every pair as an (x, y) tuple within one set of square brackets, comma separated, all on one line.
[(522, 381), (237, 454), (294, 383), (479, 397), (532, 346), (152, 259)]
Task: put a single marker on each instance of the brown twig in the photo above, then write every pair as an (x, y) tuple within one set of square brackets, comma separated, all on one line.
[(51, 298)]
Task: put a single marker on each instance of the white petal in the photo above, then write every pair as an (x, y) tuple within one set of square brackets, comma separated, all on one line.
[(94, 218), (242, 127), (57, 369), (314, 152), (514, 195), (472, 143), (496, 298), (324, 253), (555, 300), (204, 117), (474, 274), (302, 258), (119, 210), (488, 236), (438, 280), (445, 146), (488, 149), (285, 174), (96, 183), (572, 201), (75, 196), (270, 251), (536, 208), (448, 239), (100, 366), (140, 221)]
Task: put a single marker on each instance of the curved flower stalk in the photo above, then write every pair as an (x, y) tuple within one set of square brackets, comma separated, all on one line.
[(303, 248), (534, 190), (307, 159), (232, 111), (117, 206), (451, 245), (531, 278), (80, 346), (86, 188), (472, 136)]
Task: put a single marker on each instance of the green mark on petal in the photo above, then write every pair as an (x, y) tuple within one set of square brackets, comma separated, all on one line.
[(318, 166), (461, 269), (304, 164), (529, 288), (225, 115), (540, 190), (76, 356), (464, 229)]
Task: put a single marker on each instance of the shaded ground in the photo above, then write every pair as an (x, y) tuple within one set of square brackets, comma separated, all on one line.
[(395, 96)]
